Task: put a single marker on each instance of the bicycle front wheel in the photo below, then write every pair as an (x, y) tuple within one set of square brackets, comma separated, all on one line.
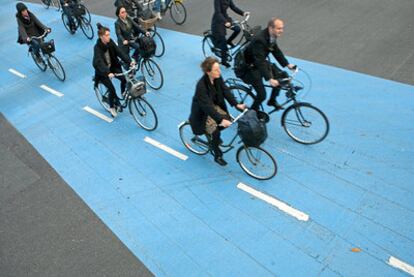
[(178, 12), (256, 162), (143, 113), (56, 67), (305, 123), (160, 46), (152, 74), (86, 27), (198, 144)]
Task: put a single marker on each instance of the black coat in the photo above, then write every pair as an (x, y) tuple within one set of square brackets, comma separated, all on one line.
[(204, 99), (258, 50), (29, 28), (220, 16), (99, 61), (125, 33)]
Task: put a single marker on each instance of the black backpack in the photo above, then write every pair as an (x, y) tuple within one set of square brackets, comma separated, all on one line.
[(240, 66), (147, 46), (251, 129)]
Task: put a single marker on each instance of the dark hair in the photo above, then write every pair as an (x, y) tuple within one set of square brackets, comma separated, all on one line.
[(20, 7), (102, 29), (208, 63), (118, 10)]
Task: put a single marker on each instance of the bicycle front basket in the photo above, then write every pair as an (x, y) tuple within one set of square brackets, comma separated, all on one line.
[(48, 47), (79, 10), (137, 89)]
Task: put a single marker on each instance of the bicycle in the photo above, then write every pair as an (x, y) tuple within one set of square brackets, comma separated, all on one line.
[(300, 120), (255, 161), (53, 3), (81, 18), (133, 98), (150, 69), (178, 11), (46, 58), (246, 34)]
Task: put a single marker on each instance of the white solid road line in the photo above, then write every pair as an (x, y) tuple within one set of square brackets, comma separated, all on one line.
[(401, 265), (165, 148), (273, 201), (97, 114), (17, 73), (52, 91)]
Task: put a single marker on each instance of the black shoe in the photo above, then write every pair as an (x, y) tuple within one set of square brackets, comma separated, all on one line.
[(226, 64), (220, 161), (273, 103)]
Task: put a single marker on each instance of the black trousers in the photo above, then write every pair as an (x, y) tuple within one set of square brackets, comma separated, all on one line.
[(253, 77), (221, 42), (113, 98), (215, 142)]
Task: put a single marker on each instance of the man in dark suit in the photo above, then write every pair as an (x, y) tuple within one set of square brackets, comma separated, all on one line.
[(259, 67)]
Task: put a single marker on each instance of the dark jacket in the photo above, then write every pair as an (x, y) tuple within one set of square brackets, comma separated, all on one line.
[(220, 16), (29, 28), (99, 61), (204, 99), (258, 50), (125, 33)]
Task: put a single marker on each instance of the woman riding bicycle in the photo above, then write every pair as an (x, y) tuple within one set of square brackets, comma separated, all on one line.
[(106, 64), (208, 109), (127, 31), (29, 26), (220, 22)]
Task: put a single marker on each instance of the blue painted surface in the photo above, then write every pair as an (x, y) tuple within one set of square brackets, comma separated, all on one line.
[(187, 218)]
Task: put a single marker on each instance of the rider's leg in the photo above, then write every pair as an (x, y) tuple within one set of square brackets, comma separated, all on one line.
[(221, 43), (215, 142), (277, 74), (254, 78), (35, 44), (236, 30), (135, 46)]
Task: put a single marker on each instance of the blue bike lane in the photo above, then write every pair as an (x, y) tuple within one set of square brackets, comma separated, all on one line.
[(188, 217)]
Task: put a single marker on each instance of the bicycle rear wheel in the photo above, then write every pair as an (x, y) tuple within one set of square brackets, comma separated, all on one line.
[(143, 113), (39, 61), (256, 162), (159, 42), (56, 67), (102, 93), (208, 47), (152, 73), (305, 123), (198, 144), (86, 27), (178, 12)]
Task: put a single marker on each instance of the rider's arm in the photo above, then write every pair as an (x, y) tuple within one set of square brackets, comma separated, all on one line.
[(136, 27), (118, 31), (259, 58), (124, 57), (206, 104), (235, 8), (22, 32), (279, 56), (228, 94), (39, 24)]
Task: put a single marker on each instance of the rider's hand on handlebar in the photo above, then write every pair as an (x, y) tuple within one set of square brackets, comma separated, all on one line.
[(111, 75), (273, 82), (292, 66), (227, 24), (125, 42), (48, 30), (225, 123), (28, 40), (148, 34), (241, 107), (246, 14), (133, 63)]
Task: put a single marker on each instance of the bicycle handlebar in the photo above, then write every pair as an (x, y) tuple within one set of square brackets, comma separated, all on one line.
[(237, 117), (41, 36), (126, 72), (246, 18)]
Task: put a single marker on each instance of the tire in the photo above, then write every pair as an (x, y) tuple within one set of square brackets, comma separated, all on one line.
[(243, 95), (208, 47), (41, 65), (152, 73), (159, 42), (102, 94), (87, 14), (56, 67), (143, 113), (198, 144), (46, 3), (178, 12), (305, 123), (256, 162), (55, 4), (66, 23), (86, 27)]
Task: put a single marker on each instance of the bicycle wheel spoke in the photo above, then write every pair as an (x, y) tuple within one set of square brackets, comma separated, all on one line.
[(143, 114), (256, 162), (57, 68)]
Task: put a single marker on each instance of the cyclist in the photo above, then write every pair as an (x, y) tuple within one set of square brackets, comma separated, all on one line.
[(126, 30), (256, 54), (106, 64), (67, 9), (220, 22), (29, 26), (208, 109), (130, 5)]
